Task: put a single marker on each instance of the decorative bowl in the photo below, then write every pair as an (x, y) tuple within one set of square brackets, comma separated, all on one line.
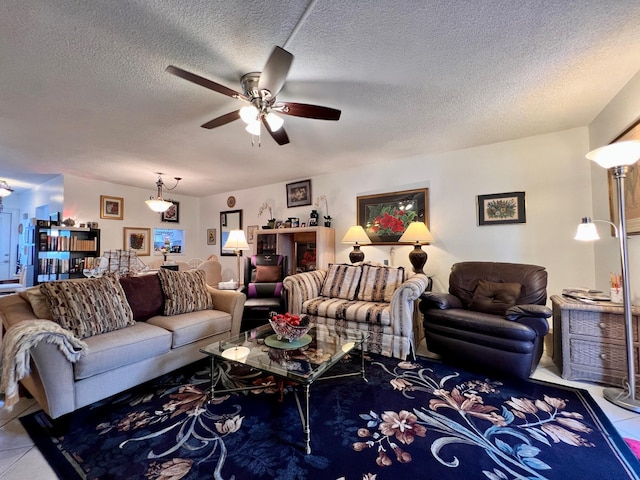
[(291, 327)]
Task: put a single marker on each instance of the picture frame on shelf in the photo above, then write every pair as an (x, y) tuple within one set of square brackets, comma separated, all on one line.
[(501, 208), (299, 194), (251, 233), (111, 208), (631, 188), (138, 240), (171, 214), (384, 217), (211, 236)]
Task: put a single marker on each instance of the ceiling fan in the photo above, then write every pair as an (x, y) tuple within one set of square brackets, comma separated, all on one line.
[(259, 91)]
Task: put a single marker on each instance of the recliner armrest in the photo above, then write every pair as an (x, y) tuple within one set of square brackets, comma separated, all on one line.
[(519, 311), (442, 301)]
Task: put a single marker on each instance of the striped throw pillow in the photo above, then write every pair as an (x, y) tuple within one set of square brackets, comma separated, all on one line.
[(88, 307), (379, 283), (342, 281), (184, 292)]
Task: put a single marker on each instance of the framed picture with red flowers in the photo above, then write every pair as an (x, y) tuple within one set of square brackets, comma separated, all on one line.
[(386, 216)]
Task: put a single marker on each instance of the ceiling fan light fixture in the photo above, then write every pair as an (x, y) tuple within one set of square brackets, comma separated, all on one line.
[(275, 122), (249, 114), (253, 128)]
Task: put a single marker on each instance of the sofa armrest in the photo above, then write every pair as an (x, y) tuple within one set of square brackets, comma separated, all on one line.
[(534, 316), (441, 301), (403, 305), (302, 287), (232, 302)]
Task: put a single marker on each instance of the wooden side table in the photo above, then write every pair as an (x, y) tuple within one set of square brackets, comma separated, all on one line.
[(589, 340)]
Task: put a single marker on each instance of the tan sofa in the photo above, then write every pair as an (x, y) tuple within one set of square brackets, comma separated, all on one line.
[(364, 296), (151, 345)]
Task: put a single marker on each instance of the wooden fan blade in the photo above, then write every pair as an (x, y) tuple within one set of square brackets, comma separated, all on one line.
[(279, 135), (307, 111), (203, 82), (275, 71), (223, 120)]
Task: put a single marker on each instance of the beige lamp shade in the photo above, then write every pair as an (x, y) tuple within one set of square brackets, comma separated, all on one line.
[(356, 235), (236, 241), (616, 154), (416, 232)]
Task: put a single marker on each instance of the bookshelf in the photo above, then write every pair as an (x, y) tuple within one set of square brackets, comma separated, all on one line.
[(61, 253)]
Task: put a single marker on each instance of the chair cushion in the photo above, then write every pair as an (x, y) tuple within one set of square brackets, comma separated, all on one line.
[(184, 292), (379, 283), (268, 273), (144, 294), (494, 297), (88, 307), (342, 281)]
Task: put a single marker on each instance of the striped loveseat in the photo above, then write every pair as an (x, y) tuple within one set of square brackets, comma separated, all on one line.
[(365, 296)]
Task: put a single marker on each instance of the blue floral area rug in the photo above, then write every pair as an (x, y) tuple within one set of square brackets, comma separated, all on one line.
[(419, 419)]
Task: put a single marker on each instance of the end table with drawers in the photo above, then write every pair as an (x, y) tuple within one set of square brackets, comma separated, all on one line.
[(589, 340)]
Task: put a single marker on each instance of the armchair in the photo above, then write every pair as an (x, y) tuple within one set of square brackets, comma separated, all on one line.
[(263, 275), (494, 317)]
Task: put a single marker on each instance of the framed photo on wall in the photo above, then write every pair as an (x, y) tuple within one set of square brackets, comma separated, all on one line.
[(138, 240), (211, 236), (631, 188), (386, 216), (251, 233), (501, 208), (171, 214), (299, 194), (111, 208)]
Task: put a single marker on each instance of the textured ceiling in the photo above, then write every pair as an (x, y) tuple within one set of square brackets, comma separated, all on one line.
[(83, 87)]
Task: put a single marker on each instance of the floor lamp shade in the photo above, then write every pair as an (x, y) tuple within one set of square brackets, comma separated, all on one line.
[(418, 234), (237, 242), (356, 236), (617, 157)]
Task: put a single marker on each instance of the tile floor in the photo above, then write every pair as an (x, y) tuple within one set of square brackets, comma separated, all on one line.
[(19, 459)]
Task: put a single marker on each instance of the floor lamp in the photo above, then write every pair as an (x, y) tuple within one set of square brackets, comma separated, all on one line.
[(617, 157), (236, 242)]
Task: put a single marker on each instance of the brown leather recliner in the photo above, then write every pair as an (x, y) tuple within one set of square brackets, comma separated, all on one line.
[(493, 319)]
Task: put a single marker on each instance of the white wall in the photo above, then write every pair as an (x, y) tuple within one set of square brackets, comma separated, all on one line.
[(621, 113), (549, 168)]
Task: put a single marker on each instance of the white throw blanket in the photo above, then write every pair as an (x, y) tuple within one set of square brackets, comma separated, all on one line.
[(16, 345)]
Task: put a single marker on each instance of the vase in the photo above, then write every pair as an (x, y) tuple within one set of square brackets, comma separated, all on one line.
[(165, 257)]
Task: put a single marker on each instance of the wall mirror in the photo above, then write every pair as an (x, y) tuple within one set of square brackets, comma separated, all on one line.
[(229, 220)]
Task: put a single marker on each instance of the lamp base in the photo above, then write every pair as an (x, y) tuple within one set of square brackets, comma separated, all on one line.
[(356, 255), (418, 258), (622, 398)]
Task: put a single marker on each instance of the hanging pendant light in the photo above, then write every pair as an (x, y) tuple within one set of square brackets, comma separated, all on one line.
[(159, 204)]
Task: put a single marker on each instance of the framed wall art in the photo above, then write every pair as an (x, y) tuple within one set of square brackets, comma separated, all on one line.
[(111, 208), (299, 194), (386, 216), (501, 208), (631, 188), (171, 214), (211, 236), (251, 233), (138, 240)]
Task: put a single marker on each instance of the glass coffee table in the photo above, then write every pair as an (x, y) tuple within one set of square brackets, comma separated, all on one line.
[(301, 366)]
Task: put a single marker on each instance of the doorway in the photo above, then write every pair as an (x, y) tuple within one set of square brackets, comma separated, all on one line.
[(5, 246)]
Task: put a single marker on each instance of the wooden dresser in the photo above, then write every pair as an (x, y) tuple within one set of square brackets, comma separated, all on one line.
[(589, 340)]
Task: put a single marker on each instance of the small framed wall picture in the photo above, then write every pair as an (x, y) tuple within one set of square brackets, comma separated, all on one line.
[(251, 233), (111, 208), (211, 236), (299, 194), (138, 240), (501, 208), (171, 214)]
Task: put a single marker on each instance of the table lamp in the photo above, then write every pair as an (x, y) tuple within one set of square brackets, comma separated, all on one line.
[(356, 236), (418, 234), (617, 157), (237, 242)]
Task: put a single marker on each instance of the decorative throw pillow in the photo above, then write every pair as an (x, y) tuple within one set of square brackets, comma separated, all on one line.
[(184, 292), (88, 307), (341, 281), (268, 273), (144, 295), (379, 283), (38, 302), (494, 297)]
